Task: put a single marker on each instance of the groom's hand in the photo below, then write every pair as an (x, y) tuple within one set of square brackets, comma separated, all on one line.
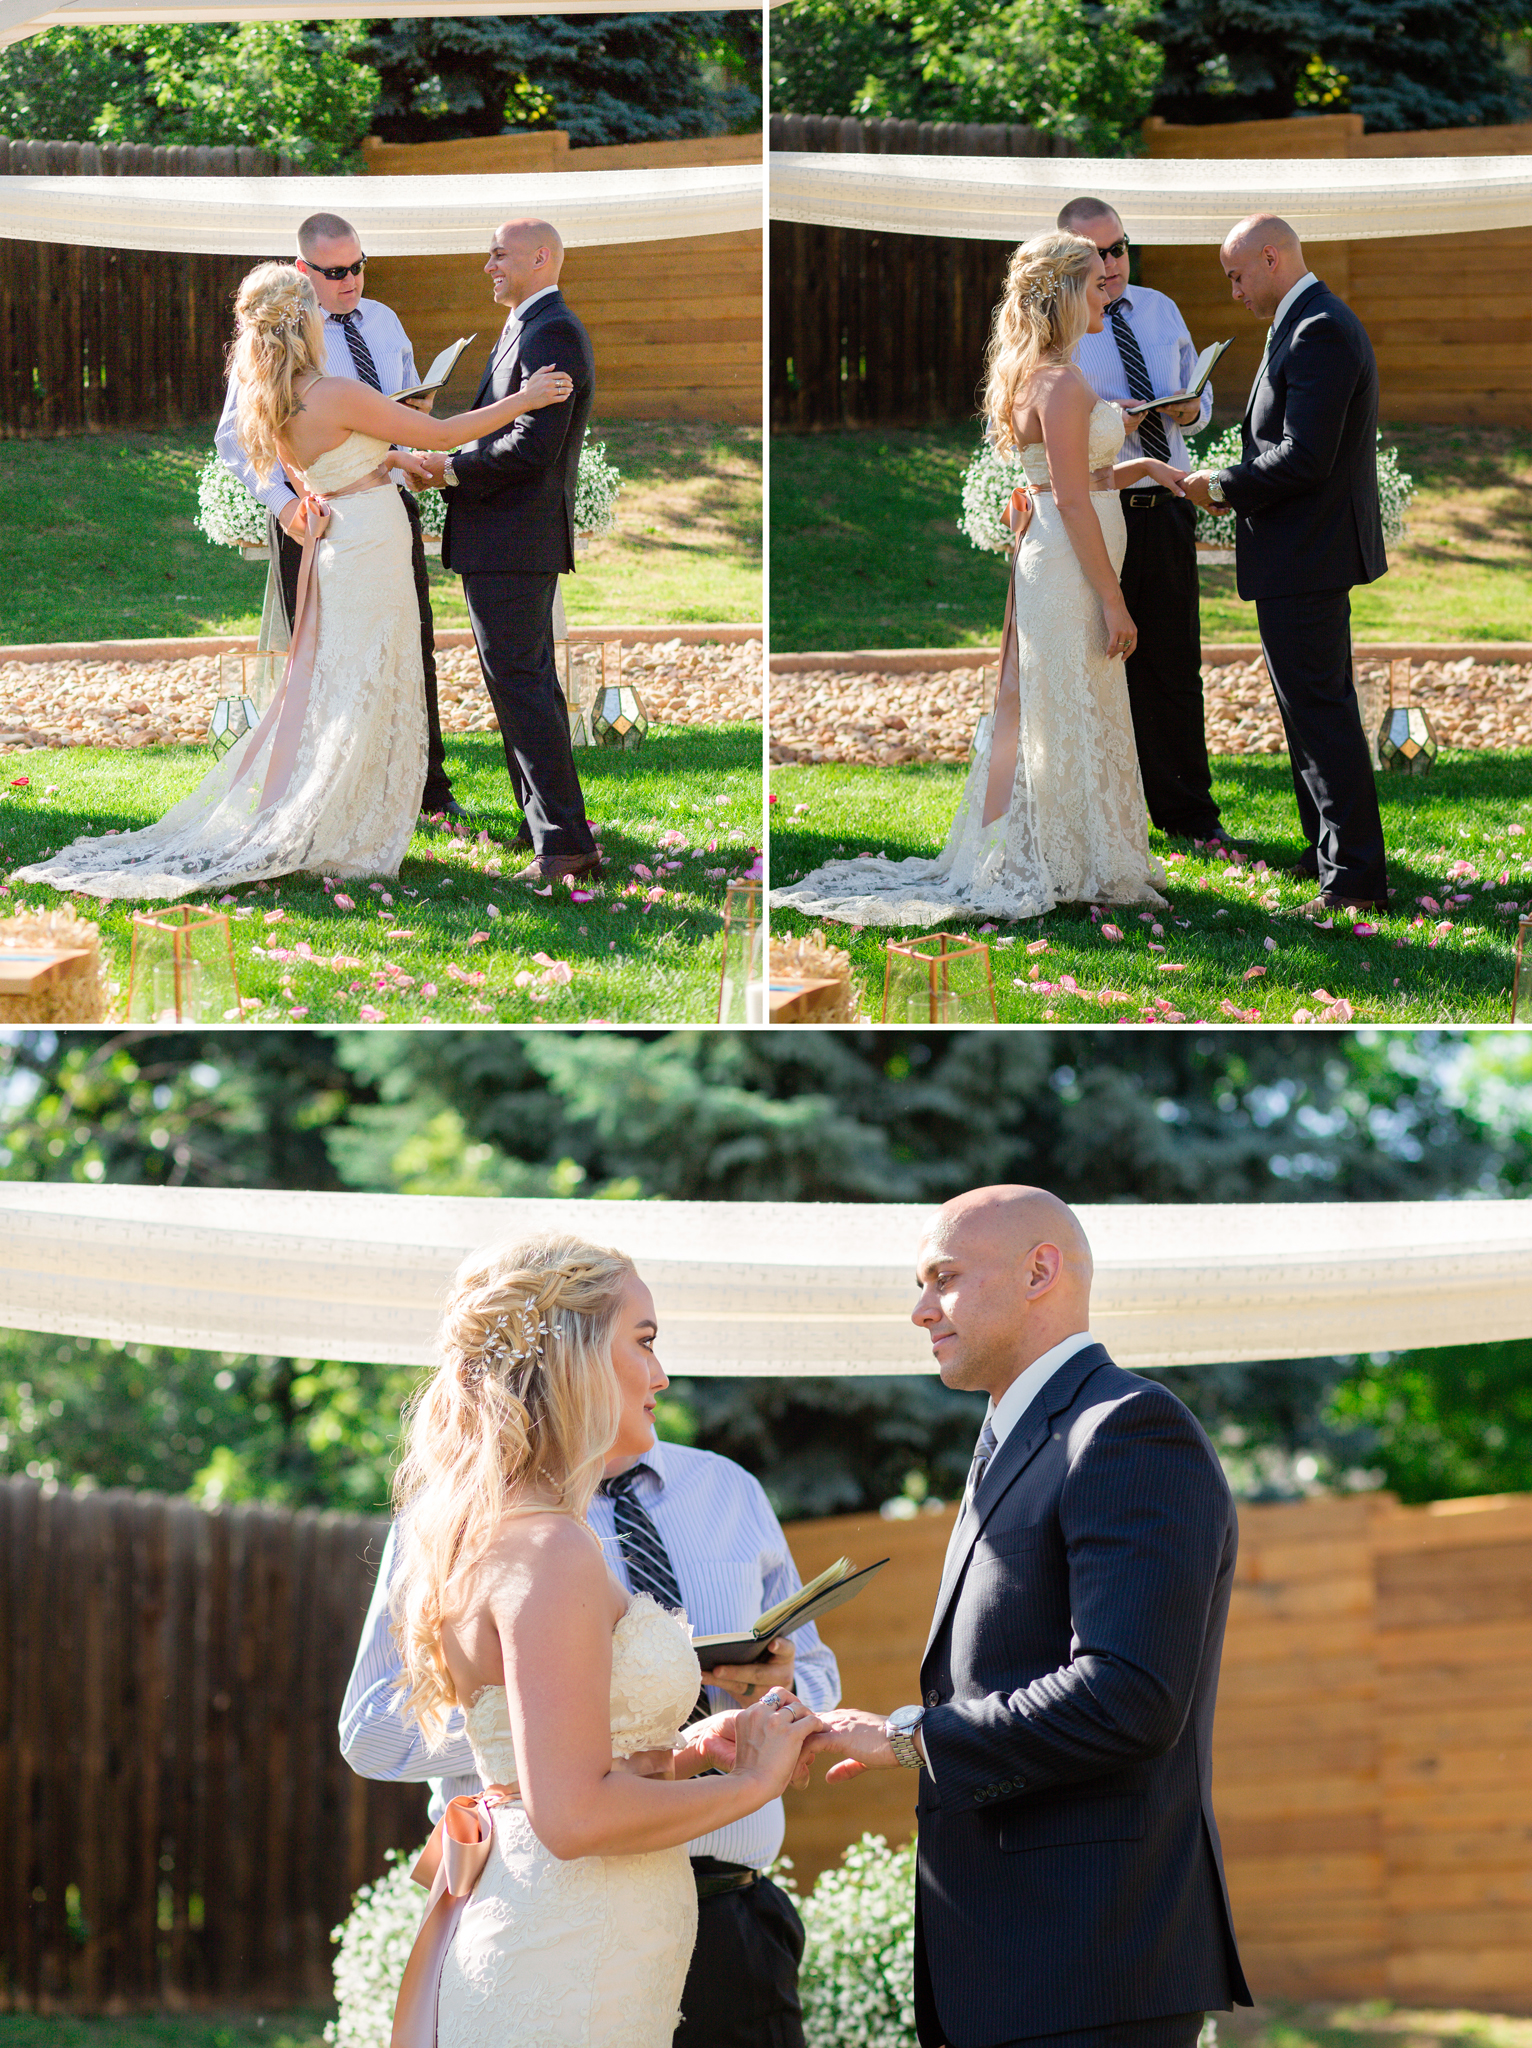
[(433, 467), (1196, 488), (857, 1738)]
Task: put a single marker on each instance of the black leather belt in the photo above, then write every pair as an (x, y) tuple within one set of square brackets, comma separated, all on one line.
[(713, 1878), (1138, 501)]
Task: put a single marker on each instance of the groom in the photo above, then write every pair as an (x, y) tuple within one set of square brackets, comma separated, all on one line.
[(1070, 1889), (510, 534), (1306, 492)]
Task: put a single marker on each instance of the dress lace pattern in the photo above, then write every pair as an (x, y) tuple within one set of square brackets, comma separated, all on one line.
[(589, 1953), (1076, 830), (354, 793)]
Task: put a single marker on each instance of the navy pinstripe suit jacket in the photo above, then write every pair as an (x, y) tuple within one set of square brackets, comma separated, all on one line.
[(1070, 1872)]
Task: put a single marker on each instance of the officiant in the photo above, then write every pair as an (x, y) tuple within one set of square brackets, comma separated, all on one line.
[(366, 341), (1145, 348)]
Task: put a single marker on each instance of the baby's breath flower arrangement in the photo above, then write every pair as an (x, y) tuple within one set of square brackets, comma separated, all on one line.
[(857, 1980), (596, 489), (375, 1944), (988, 483), (226, 512), (1395, 489)]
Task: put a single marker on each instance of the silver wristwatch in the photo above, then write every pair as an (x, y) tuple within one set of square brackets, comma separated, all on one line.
[(1215, 491), (900, 1729), (449, 474)]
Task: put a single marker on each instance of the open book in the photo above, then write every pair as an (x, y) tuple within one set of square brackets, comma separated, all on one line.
[(831, 1589), (438, 373), (1200, 376)]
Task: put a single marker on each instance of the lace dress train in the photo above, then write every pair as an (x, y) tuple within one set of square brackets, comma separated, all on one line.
[(332, 780), (1076, 829), (593, 1952)]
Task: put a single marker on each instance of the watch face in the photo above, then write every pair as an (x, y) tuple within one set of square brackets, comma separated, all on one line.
[(904, 1720)]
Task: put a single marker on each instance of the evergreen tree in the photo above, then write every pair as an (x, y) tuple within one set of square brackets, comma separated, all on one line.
[(603, 78), (1400, 64)]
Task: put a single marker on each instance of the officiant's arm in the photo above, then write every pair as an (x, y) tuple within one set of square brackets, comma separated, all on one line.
[(276, 494), (376, 1739), (533, 443), (1321, 375)]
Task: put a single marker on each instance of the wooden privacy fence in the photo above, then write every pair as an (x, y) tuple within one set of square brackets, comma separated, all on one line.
[(1448, 315), (1372, 1749), (95, 338), (675, 326), (177, 1825), (885, 330)]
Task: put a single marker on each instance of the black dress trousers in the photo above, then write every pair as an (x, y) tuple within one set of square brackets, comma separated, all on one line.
[(1159, 587), (1306, 639), (438, 789), (742, 1986), (1180, 2030), (512, 619)]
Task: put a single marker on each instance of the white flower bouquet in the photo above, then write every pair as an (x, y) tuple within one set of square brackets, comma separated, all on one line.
[(988, 483), (1395, 489), (228, 514), (857, 1980)]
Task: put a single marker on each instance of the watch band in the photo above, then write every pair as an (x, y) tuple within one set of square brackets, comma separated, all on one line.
[(1215, 491), (449, 474), (902, 1742)]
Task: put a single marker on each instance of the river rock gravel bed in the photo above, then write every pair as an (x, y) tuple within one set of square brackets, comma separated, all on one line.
[(874, 720), (169, 703)]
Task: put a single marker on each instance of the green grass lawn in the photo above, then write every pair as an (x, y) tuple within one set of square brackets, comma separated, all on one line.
[(452, 941), (101, 544), (866, 552), (291, 2029), (1223, 922)]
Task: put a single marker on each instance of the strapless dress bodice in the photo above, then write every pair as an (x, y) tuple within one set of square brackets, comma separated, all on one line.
[(655, 1682), (1107, 434), (357, 456)]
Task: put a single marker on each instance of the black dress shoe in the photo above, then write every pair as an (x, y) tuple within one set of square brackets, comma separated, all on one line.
[(450, 809), (1219, 837)]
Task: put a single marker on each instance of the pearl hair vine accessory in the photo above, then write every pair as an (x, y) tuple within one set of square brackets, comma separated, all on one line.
[(514, 1342)]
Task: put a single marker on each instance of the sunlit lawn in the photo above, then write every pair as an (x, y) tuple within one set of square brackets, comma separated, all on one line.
[(453, 940), (100, 543), (277, 2029), (866, 552), (1451, 964)]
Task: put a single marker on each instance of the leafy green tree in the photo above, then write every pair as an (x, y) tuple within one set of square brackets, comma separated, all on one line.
[(603, 78), (301, 91), (1400, 64), (1079, 69)]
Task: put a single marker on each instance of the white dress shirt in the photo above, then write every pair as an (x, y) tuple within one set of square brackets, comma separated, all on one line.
[(1018, 1397), (520, 312), (389, 346), (1170, 356), (731, 1562), (1289, 299)]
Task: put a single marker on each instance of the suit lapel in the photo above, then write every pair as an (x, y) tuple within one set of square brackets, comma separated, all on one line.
[(1007, 1465), (1279, 342)]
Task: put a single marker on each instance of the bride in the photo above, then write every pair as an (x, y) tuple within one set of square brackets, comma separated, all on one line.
[(580, 1928), (1053, 810), (331, 779)]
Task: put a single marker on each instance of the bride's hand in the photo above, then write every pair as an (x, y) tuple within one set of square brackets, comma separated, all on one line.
[(1121, 633), (769, 1737), (416, 467), (1167, 474), (313, 516), (547, 386)]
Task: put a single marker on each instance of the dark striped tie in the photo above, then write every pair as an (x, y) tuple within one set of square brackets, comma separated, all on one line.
[(644, 1554), (361, 354), (1151, 433)]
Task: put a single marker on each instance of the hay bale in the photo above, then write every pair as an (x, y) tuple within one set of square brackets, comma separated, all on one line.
[(73, 990)]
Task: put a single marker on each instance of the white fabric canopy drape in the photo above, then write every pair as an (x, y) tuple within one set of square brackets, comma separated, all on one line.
[(749, 1287), (1162, 199), (453, 215), (20, 18)]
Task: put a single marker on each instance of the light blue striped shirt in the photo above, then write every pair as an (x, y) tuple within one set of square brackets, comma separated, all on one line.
[(1169, 357), (731, 1561), (389, 347)]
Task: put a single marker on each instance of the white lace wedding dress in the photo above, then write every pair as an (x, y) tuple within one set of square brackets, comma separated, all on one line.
[(334, 786), (1077, 829), (590, 1953)]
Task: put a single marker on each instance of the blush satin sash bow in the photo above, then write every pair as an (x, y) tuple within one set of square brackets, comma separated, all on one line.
[(450, 1864), (287, 710)]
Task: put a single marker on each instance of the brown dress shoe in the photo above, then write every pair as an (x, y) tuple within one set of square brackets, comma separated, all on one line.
[(1324, 903), (553, 867)]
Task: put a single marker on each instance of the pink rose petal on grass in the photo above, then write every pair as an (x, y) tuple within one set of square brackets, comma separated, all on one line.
[(342, 902), (1170, 966), (22, 782), (582, 895), (275, 916), (1037, 945), (369, 1015), (544, 892), (479, 939), (1364, 931), (1239, 1016), (1110, 931), (428, 989), (1270, 945)]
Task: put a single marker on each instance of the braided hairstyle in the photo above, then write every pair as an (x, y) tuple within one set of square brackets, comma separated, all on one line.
[(278, 337), (1041, 316), (523, 1391)]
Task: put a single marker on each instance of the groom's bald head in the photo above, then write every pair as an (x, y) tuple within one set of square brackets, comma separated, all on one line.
[(1263, 259), (1005, 1274)]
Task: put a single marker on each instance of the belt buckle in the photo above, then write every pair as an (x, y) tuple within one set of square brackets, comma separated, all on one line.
[(1137, 500)]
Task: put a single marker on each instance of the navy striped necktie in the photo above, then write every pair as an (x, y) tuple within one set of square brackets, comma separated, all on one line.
[(644, 1553), (1151, 432), (361, 355)]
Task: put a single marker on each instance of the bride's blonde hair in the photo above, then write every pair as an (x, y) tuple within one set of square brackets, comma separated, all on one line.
[(524, 1391), (278, 336), (1039, 319)]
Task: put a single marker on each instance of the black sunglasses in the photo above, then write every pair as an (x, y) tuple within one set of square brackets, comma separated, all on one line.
[(336, 271), (1117, 248)]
